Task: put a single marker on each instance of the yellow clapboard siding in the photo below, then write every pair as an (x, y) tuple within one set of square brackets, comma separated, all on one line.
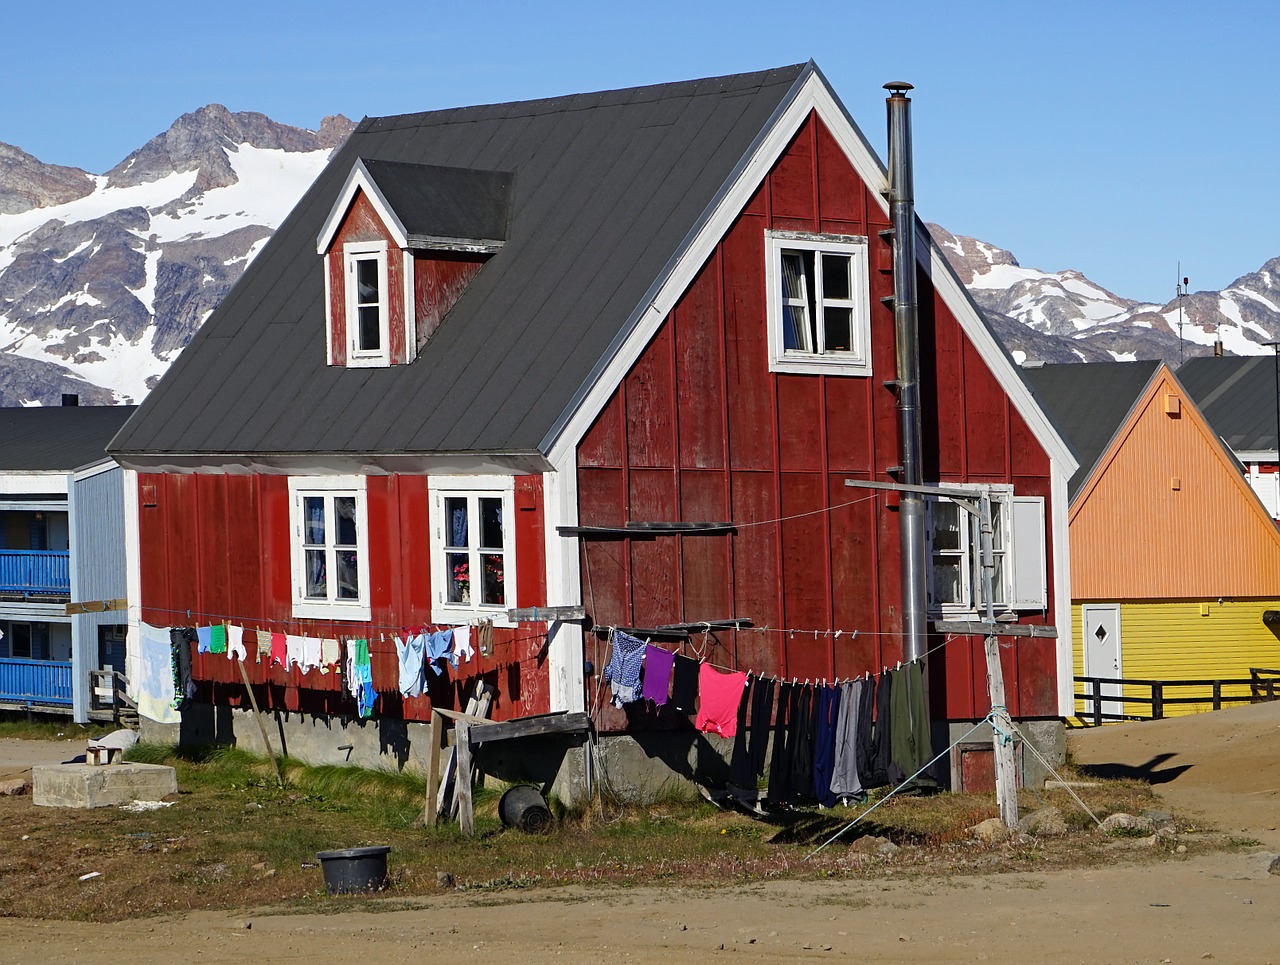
[(1170, 640)]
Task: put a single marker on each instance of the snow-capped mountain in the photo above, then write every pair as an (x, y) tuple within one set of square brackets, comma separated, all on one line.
[(103, 279), (1064, 317)]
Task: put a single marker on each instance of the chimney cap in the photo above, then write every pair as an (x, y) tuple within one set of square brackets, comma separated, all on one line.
[(898, 86)]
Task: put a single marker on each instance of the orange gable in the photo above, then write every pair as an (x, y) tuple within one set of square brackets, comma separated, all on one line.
[(1167, 514)]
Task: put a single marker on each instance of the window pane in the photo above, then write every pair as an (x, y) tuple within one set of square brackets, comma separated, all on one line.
[(370, 328), (494, 580), (458, 576), (313, 520), (348, 575), (997, 527), (455, 520), (315, 577), (491, 523), (838, 329), (835, 277), (946, 579), (367, 281), (798, 316), (946, 526), (344, 521)]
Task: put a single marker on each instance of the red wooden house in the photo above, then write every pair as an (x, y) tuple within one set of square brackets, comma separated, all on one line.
[(493, 346)]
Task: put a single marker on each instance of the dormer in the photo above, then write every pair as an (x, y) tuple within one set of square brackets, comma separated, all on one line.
[(400, 245)]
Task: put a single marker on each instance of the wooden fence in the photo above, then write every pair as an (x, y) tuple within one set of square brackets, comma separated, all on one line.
[(1102, 694)]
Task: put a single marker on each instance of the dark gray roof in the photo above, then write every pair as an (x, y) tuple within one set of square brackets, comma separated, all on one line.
[(438, 202), (1238, 396), (58, 438), (608, 187), (1089, 401)]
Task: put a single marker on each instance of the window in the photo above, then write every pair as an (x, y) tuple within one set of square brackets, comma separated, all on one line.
[(367, 312), (330, 547), (1017, 550), (472, 547), (818, 308)]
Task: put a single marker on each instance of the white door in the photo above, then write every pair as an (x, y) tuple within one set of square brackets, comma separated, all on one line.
[(1101, 626)]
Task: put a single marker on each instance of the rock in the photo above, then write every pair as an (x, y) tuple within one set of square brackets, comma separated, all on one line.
[(886, 848), (14, 786), (1274, 867), (870, 844), (1127, 823), (1044, 823), (990, 831), (1160, 819), (444, 879)]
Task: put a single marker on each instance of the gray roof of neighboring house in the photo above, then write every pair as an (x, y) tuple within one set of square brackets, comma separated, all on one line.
[(1238, 397), (58, 438), (607, 188), (1089, 401), (438, 202)]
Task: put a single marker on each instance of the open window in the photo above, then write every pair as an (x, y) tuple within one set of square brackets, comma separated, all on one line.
[(1018, 551), (329, 547), (472, 547), (818, 309)]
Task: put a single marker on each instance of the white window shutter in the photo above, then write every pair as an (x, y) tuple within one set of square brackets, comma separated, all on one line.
[(1030, 582)]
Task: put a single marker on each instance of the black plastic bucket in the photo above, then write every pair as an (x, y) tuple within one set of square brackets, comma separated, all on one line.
[(354, 869), (525, 808)]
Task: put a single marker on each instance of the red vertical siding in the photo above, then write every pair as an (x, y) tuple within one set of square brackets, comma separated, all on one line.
[(772, 453)]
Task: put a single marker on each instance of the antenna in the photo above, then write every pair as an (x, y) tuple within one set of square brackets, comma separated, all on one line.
[(1183, 288)]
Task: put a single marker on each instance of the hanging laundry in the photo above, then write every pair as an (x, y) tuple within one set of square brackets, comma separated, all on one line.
[(912, 744), (801, 742), (623, 672), (740, 760), (330, 654), (411, 654), (279, 650), (235, 643), (684, 684), (156, 694), (218, 638), (780, 762), (462, 648), (310, 654), (181, 640), (361, 677), (824, 744), (886, 771), (264, 644), (845, 781), (657, 674), (293, 646), (204, 638), (719, 695), (761, 718)]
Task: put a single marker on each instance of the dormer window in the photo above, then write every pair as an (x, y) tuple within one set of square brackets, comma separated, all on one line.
[(367, 311)]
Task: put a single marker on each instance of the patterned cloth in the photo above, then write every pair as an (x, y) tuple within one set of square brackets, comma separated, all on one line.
[(623, 672), (264, 644), (218, 639)]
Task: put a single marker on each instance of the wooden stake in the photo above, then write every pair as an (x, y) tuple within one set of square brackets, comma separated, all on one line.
[(257, 715), (462, 781)]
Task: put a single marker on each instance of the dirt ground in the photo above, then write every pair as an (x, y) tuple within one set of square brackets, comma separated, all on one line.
[(1221, 769)]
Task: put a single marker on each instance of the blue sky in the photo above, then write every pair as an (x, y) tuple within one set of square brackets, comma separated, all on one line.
[(1114, 138)]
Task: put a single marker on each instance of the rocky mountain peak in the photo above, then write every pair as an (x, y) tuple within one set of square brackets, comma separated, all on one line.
[(27, 182)]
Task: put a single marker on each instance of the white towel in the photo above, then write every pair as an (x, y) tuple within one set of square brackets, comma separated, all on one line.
[(310, 654), (462, 644), (155, 677), (293, 645)]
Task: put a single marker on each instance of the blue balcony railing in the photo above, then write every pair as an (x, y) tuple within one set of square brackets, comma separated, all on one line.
[(39, 682), (35, 571)]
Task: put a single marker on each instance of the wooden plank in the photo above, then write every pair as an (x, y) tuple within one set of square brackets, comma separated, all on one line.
[(980, 627), (96, 606), (565, 723), (546, 614), (430, 810), (466, 815), (483, 699)]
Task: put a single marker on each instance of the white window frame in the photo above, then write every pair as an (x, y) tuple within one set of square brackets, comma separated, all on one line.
[(471, 488), (328, 487), (817, 359), (353, 252), (1024, 584)]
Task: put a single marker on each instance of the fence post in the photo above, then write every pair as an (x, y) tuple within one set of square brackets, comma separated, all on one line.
[(1097, 701), (1217, 695), (1157, 700)]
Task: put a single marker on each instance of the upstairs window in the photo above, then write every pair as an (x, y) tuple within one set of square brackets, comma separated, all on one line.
[(818, 309), (330, 547), (1017, 550), (472, 547), (368, 342)]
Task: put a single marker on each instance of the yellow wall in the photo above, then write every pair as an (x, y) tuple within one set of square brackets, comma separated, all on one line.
[(1170, 640)]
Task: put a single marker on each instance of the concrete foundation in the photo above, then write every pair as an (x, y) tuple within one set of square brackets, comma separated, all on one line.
[(639, 768), (87, 786)]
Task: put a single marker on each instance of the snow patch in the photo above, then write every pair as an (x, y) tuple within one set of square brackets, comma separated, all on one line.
[(147, 293), (1123, 356)]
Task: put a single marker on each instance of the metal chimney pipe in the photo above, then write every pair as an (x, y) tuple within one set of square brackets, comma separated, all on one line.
[(911, 506)]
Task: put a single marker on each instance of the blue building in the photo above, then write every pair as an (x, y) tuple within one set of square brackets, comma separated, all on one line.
[(61, 542)]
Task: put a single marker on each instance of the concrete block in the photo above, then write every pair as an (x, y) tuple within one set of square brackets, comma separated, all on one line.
[(86, 786)]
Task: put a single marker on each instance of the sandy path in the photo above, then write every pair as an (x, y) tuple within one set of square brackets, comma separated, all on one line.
[(1175, 908)]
